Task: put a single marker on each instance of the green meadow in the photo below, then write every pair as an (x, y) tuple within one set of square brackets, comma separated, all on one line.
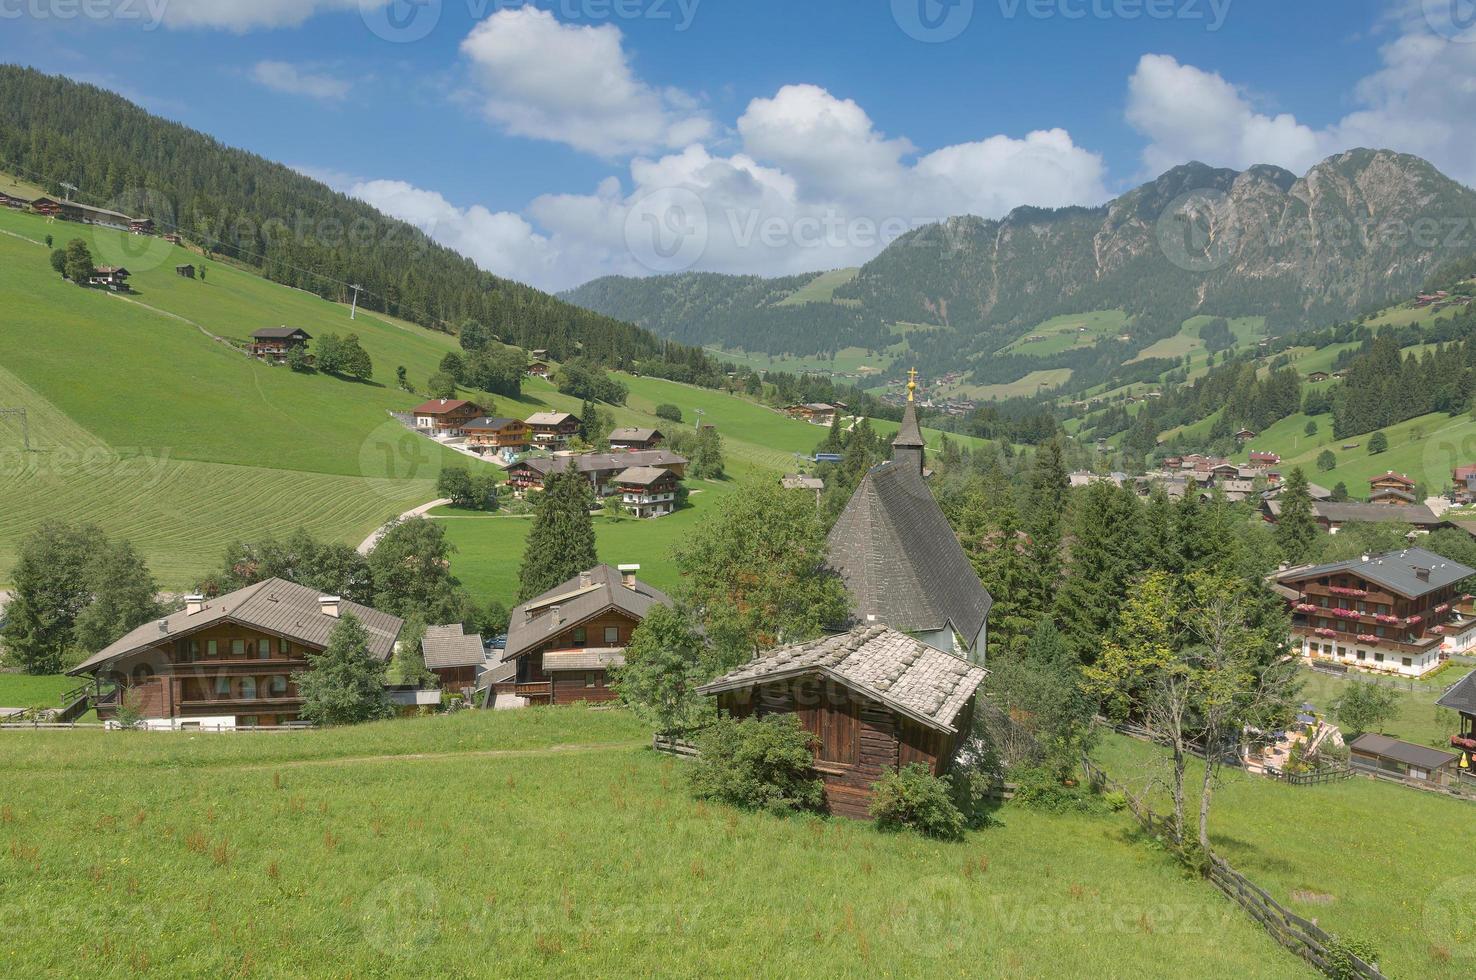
[(545, 842), (1067, 332), (821, 289)]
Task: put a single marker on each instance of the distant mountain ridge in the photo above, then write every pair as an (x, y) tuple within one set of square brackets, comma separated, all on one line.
[(1359, 230)]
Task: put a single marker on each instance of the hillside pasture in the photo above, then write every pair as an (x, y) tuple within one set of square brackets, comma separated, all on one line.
[(1067, 332), (822, 289), (1034, 383), (544, 842)]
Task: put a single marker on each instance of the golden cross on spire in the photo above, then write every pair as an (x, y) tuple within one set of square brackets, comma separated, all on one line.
[(911, 382)]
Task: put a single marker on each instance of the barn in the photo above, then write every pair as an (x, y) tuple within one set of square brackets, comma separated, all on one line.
[(875, 699)]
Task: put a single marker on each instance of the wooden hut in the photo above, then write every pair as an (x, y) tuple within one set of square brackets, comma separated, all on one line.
[(874, 698)]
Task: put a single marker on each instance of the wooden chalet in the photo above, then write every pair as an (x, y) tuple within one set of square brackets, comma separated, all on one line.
[(552, 430), (496, 435), (1461, 698), (141, 226), (274, 343), (173, 238), (1245, 435), (874, 698), (1392, 613), (1333, 516), (1463, 484), (456, 657), (539, 369), (57, 207), (229, 661), (1396, 482), (900, 560), (1388, 497), (113, 277), (647, 491), (1392, 758), (1259, 458), (1317, 377), (817, 413), (564, 641), (187, 271), (445, 416), (635, 438), (11, 201), (600, 469)]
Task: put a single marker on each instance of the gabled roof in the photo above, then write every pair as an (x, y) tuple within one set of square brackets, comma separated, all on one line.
[(1392, 477), (900, 560), (273, 606), (1353, 511), (551, 418), (642, 476), (1397, 571), (632, 434), (590, 658), (280, 333), (1406, 752), (1461, 697), (603, 462), (878, 662), (580, 599), (451, 646), (442, 406), (490, 423)]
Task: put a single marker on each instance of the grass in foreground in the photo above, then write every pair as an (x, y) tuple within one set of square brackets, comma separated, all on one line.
[(1359, 857), (577, 861)]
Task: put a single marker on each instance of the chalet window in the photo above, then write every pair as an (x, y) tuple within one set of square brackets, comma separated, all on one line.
[(210, 650), (279, 685), (612, 635), (284, 647), (581, 637), (1408, 662), (248, 688), (1362, 655), (591, 679), (1379, 657), (238, 648), (223, 687), (264, 649)]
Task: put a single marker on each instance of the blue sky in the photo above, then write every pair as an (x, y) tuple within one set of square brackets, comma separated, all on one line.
[(787, 136)]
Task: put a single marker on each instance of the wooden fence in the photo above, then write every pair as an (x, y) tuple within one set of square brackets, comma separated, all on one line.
[(1315, 778), (673, 746), (1364, 677), (1305, 939), (47, 726)]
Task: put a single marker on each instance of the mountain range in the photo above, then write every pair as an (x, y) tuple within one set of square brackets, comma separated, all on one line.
[(1357, 231)]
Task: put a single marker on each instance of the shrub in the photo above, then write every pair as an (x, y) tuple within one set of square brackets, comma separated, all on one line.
[(669, 412), (1340, 953), (912, 798), (1041, 788), (757, 765)]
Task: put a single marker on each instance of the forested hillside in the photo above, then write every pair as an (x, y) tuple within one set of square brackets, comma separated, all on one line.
[(295, 230)]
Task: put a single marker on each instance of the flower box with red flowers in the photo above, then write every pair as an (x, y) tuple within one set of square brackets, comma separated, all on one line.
[(1305, 607), (1345, 613), (1414, 619), (1367, 638), (1340, 590), (1443, 607), (1325, 632)]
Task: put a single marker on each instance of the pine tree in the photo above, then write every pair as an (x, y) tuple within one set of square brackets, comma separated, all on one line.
[(561, 543), (1104, 558), (1296, 528), (345, 684), (1003, 560)]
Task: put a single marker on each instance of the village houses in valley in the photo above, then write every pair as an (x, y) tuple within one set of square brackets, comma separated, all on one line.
[(445, 416)]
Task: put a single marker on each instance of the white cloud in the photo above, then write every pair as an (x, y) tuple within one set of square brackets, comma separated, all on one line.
[(280, 76), (236, 15), (574, 84), (1420, 101)]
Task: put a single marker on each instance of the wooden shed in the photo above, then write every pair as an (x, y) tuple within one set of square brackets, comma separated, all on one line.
[(875, 698)]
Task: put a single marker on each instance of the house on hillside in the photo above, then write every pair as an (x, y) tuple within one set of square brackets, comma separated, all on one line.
[(600, 469), (539, 353), (57, 207), (187, 271), (1391, 498), (899, 558), (816, 413), (1244, 436), (141, 226), (874, 698), (539, 369), (647, 491), (230, 661), (565, 641), (1317, 377), (173, 238), (1391, 613), (1463, 484), (552, 430), (1381, 755), (456, 657), (635, 438), (274, 343), (1397, 482), (799, 481), (1333, 516), (445, 416), (13, 202), (113, 277), (1259, 458), (496, 435)]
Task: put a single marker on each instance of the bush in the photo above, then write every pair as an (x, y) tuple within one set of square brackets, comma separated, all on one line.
[(757, 765), (1041, 788), (912, 798), (669, 412), (1340, 953)]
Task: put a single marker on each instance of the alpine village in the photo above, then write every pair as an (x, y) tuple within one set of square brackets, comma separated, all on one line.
[(417, 559)]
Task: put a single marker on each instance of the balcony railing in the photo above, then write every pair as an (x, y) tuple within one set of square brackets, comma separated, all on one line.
[(535, 689)]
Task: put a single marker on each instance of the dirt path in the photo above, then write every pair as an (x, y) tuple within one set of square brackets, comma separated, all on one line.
[(436, 756), (368, 543)]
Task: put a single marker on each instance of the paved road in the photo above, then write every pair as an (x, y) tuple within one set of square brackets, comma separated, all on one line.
[(373, 539)]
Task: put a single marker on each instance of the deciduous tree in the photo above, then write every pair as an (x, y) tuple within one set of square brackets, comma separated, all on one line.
[(345, 684)]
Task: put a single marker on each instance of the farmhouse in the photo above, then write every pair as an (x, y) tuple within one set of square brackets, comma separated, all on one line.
[(899, 558), (1333, 516), (647, 491), (1260, 458), (552, 430), (874, 698), (1385, 756), (274, 343), (228, 661), (11, 201), (113, 277), (1461, 699), (538, 369), (445, 416), (1391, 481), (600, 468), (173, 238), (1390, 613), (141, 226), (57, 207), (187, 271), (633, 438), (455, 656), (1463, 484), (564, 641), (1317, 377), (818, 413), (496, 435), (1245, 435)]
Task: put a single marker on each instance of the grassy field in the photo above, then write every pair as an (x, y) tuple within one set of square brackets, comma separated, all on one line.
[(1068, 332), (1186, 342), (1350, 856), (821, 289), (1033, 383), (847, 362), (544, 842), (1418, 720), (32, 690)]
